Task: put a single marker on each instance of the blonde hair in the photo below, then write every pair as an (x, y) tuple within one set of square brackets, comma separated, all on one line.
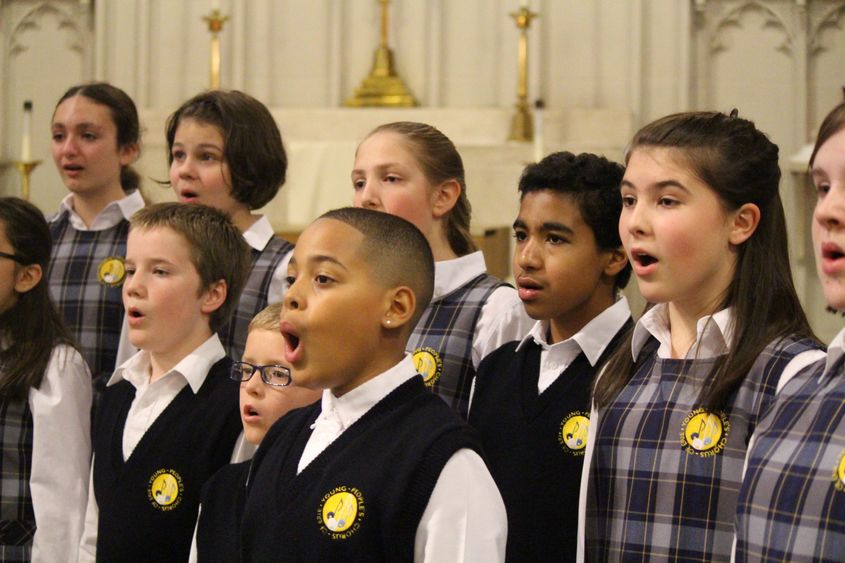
[(267, 318)]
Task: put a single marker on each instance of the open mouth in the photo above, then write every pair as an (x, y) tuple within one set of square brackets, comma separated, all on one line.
[(188, 194), (830, 252), (644, 259), (249, 411), (134, 314)]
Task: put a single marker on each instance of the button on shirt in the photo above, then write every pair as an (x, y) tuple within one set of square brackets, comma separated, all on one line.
[(465, 518)]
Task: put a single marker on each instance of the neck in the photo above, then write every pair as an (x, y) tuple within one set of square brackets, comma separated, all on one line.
[(683, 324), (243, 219), (375, 368), (89, 205), (440, 247), (162, 361), (570, 323)]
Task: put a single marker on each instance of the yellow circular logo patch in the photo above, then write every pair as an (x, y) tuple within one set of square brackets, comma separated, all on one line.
[(839, 473), (341, 512), (705, 433), (428, 363), (111, 271), (573, 432), (165, 489)]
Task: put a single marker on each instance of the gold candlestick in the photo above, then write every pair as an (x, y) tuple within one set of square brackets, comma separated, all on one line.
[(382, 87), (25, 168), (215, 21), (522, 127)]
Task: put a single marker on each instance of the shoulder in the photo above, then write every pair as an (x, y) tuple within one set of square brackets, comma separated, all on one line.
[(498, 358)]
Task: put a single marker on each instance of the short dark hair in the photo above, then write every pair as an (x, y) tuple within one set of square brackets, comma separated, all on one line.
[(592, 183), (395, 248), (252, 143), (124, 114), (217, 249)]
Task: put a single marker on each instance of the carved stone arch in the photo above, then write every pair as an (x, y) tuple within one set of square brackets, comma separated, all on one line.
[(733, 18), (77, 38), (832, 19)]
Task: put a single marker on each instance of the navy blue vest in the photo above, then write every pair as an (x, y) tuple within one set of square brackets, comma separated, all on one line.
[(219, 525), (148, 503), (442, 341), (362, 498), (535, 445)]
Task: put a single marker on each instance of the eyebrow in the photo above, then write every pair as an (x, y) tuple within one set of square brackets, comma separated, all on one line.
[(662, 185), (545, 227), (84, 125), (319, 259), (200, 146)]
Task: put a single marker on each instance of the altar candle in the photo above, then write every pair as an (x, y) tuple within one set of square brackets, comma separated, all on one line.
[(215, 5), (26, 140), (525, 4), (538, 130)]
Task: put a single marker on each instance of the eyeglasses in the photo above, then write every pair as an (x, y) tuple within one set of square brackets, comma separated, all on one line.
[(14, 257), (277, 376)]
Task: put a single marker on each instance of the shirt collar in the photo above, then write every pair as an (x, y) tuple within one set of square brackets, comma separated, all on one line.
[(592, 339), (352, 405), (712, 338), (194, 367), (835, 351), (111, 215), (449, 275), (259, 233)]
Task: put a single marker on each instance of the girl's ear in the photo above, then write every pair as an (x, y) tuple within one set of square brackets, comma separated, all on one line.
[(401, 304), (745, 221), (215, 296), (27, 277), (445, 197), (128, 153)]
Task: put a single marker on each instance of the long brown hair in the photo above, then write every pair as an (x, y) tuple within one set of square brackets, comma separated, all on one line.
[(740, 164), (32, 327), (440, 161)]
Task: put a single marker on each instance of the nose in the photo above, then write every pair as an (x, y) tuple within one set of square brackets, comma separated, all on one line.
[(184, 168), (133, 285), (367, 196), (830, 209), (633, 220), (291, 300), (527, 256), (255, 385), (68, 146)]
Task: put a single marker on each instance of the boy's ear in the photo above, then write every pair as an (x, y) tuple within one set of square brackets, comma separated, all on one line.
[(617, 259), (27, 277), (445, 197), (401, 304), (214, 296), (745, 221)]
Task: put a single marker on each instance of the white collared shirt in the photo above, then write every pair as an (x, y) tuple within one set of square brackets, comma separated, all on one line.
[(150, 401), (714, 333), (61, 455), (111, 215), (503, 318), (465, 518), (834, 351), (592, 339)]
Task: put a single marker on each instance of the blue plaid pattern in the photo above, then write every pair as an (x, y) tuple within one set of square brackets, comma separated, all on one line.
[(93, 311), (254, 296), (792, 501), (447, 327), (17, 519), (655, 492)]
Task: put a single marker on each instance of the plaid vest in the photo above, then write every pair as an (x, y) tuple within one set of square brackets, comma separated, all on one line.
[(665, 473), (17, 519), (441, 343), (792, 500), (89, 300), (254, 295)]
